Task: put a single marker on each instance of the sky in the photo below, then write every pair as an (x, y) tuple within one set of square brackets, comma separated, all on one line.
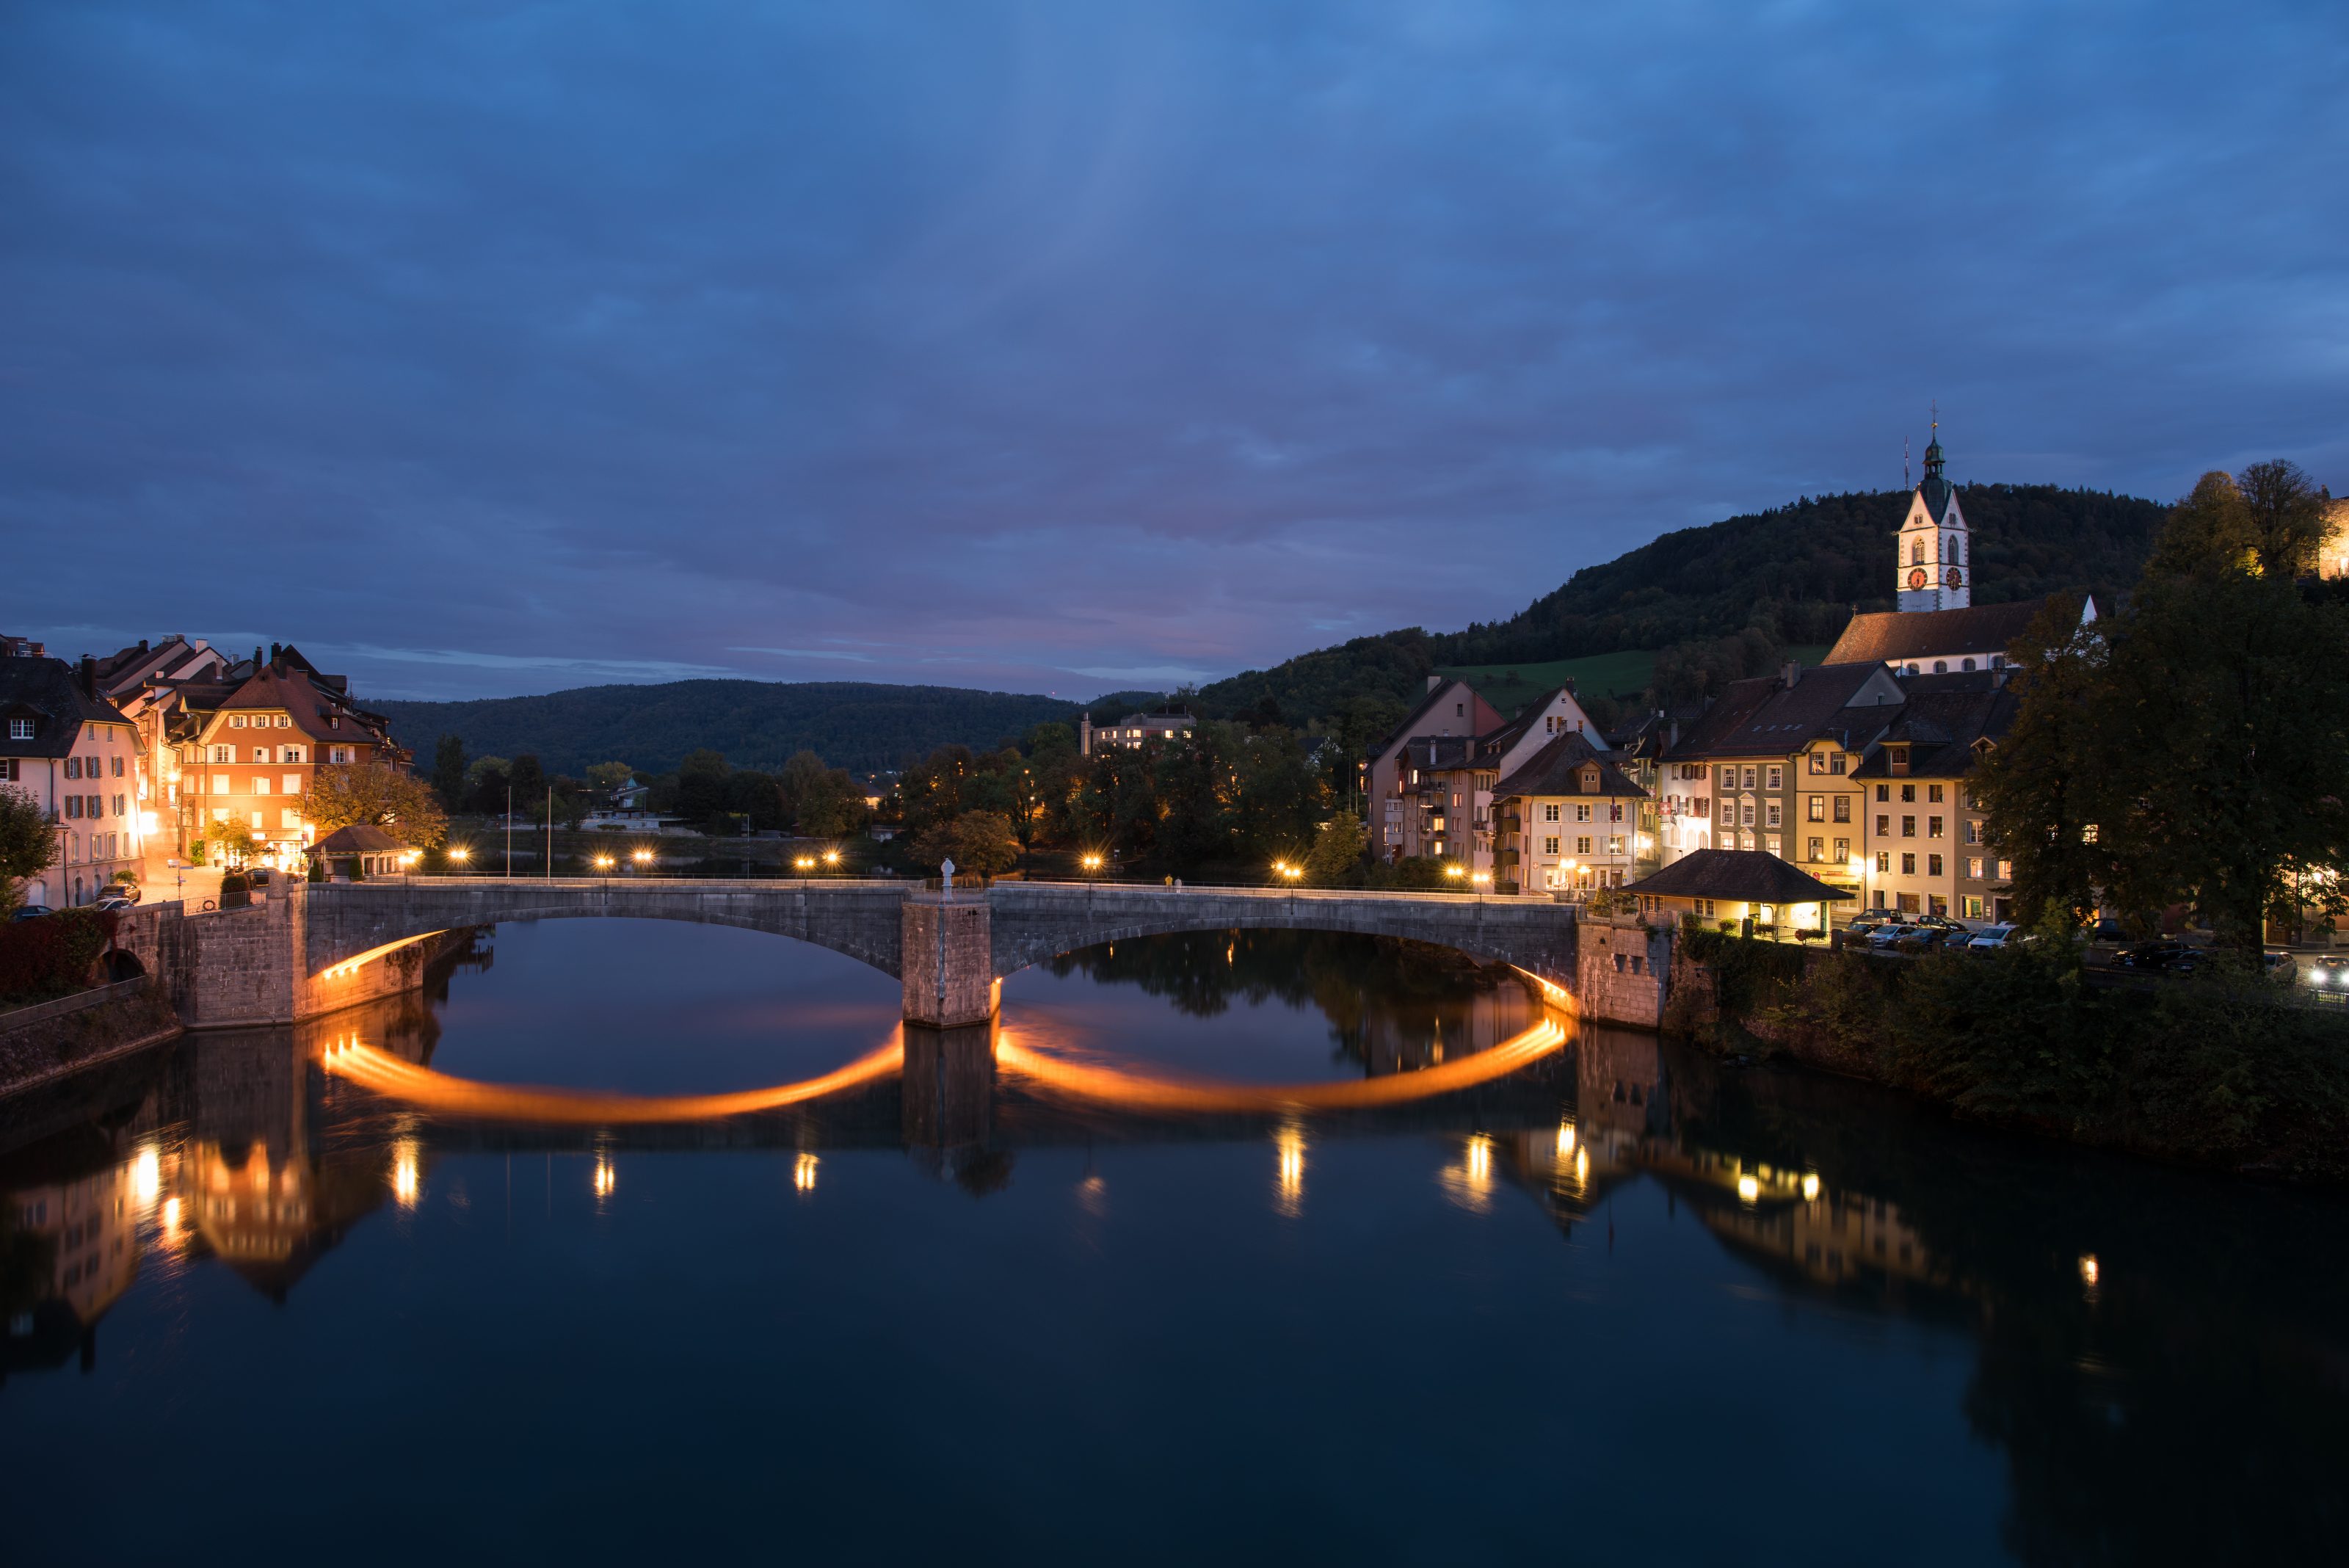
[(486, 348)]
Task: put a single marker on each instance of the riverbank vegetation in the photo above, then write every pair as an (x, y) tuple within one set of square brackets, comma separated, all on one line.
[(2225, 1068)]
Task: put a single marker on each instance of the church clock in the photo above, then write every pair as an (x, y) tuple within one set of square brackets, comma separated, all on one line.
[(1956, 578), (1917, 577)]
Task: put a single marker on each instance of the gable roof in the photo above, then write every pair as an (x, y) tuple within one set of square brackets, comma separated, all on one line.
[(1558, 768), (1945, 717), (358, 838), (1744, 875), (1763, 717), (1409, 728), (52, 688), (1885, 637)]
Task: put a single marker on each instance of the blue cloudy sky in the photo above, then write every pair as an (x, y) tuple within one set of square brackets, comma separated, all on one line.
[(483, 348)]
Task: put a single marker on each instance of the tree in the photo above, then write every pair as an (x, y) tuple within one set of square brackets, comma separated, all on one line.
[(529, 785), (233, 836), (2192, 751), (448, 771), (28, 845), (701, 788), (370, 792), (607, 779), (977, 841), (1336, 858), (486, 784)]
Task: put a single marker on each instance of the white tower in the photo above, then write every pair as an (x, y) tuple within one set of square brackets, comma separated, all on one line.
[(1934, 568)]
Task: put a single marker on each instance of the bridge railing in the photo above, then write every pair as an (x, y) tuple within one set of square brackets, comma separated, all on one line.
[(1261, 890)]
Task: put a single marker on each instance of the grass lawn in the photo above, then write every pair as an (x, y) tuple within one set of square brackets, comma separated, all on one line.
[(1509, 687)]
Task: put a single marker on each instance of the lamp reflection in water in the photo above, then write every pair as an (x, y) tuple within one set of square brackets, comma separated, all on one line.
[(147, 1175), (1749, 1190), (1810, 1187), (1470, 1183), (1564, 1140), (2089, 1271), (1288, 1189), (803, 1173), (405, 1184), (605, 1178)]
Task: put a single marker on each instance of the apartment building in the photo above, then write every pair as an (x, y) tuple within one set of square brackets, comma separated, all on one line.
[(1924, 844), (1568, 819), (1770, 768), (251, 754), (1405, 821), (76, 756), (1455, 778)]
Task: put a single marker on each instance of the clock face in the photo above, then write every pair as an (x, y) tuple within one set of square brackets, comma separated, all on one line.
[(1917, 578), (1957, 578)]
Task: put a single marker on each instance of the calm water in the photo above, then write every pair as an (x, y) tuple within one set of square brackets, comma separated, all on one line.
[(1118, 1298)]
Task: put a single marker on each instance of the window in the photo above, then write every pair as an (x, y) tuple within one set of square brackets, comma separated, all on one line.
[(1774, 812), (1614, 844), (1972, 833), (220, 814), (1745, 813), (1973, 868), (1972, 903), (1941, 667), (1842, 850), (289, 819), (261, 784), (290, 784), (1883, 826), (118, 807), (236, 721), (285, 722), (73, 807), (1549, 846), (1933, 794), (1745, 841), (261, 754), (1750, 771), (1843, 809), (343, 754), (1835, 764), (1908, 827), (220, 784), (1933, 866), (1818, 808), (1778, 776), (1582, 846), (20, 728), (1818, 762), (2006, 870), (97, 806), (1897, 757), (1909, 793), (222, 754), (1884, 792), (1936, 904), (1770, 843), (1908, 865), (1818, 847), (1932, 827), (256, 822), (1615, 812), (116, 769), (1583, 813), (1549, 814), (293, 754), (2088, 834)]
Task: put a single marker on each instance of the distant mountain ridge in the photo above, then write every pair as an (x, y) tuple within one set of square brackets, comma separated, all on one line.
[(1797, 572), (855, 725)]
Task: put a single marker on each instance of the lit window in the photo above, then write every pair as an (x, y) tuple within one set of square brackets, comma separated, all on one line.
[(2088, 834)]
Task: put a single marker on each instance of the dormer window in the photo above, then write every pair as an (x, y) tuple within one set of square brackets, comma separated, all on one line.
[(1898, 757), (20, 728)]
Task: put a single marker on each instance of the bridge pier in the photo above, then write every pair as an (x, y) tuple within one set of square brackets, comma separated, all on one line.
[(947, 960)]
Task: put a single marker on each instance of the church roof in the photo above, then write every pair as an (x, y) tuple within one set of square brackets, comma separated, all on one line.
[(1887, 636), (1764, 717)]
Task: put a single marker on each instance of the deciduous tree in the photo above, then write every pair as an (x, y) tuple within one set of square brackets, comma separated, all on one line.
[(28, 845), (400, 803)]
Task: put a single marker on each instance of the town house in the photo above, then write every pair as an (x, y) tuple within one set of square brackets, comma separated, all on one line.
[(1457, 776), (77, 757), (1925, 845), (1568, 819), (1409, 817), (252, 755)]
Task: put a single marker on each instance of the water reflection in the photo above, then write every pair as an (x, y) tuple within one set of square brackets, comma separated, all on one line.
[(2159, 1358)]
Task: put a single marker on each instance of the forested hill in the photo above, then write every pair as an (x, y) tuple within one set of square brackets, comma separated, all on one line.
[(756, 724), (1794, 572)]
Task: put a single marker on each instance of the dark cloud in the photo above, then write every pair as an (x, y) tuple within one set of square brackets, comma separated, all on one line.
[(1064, 346)]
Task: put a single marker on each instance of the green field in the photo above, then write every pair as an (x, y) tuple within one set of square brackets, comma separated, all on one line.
[(1621, 676)]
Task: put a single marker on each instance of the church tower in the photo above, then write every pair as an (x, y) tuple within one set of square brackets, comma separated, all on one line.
[(1933, 570)]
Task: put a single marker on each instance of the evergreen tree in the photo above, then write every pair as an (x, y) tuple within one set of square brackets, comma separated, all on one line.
[(448, 771)]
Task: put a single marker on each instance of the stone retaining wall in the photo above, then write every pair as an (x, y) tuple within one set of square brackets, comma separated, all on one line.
[(53, 1038)]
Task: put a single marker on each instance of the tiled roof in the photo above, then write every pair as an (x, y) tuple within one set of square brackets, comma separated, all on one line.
[(359, 839), (1746, 876), (1883, 636), (1558, 768), (51, 689), (1944, 717), (1763, 718)]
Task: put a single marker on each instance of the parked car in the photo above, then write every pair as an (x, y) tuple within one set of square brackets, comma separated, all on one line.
[(31, 911), (114, 902), (2280, 966), (1887, 936), (2107, 930), (1992, 939), (2161, 958), (1922, 938)]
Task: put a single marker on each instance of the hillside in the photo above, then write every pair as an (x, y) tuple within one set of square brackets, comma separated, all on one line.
[(757, 723), (1794, 572)]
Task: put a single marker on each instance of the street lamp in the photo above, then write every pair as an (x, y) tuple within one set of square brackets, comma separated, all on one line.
[(603, 864), (1455, 870), (642, 858), (460, 853), (1091, 861), (831, 858)]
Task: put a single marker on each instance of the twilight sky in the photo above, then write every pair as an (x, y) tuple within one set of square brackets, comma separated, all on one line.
[(484, 349)]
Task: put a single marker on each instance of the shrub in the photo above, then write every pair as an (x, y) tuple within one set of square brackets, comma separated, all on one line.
[(52, 956)]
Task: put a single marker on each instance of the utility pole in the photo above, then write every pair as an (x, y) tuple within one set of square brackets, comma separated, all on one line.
[(509, 829), (550, 832)]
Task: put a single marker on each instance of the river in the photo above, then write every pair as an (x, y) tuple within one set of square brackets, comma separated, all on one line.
[(632, 1241)]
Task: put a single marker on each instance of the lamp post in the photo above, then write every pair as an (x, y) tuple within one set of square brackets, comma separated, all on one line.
[(1858, 865)]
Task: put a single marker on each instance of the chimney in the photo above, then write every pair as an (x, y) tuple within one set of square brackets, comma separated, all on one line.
[(88, 676), (1788, 673), (1433, 681), (256, 659), (142, 644)]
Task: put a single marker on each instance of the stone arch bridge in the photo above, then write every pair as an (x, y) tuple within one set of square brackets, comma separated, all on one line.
[(308, 949)]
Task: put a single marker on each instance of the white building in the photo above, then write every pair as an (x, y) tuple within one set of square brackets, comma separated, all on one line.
[(77, 758)]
